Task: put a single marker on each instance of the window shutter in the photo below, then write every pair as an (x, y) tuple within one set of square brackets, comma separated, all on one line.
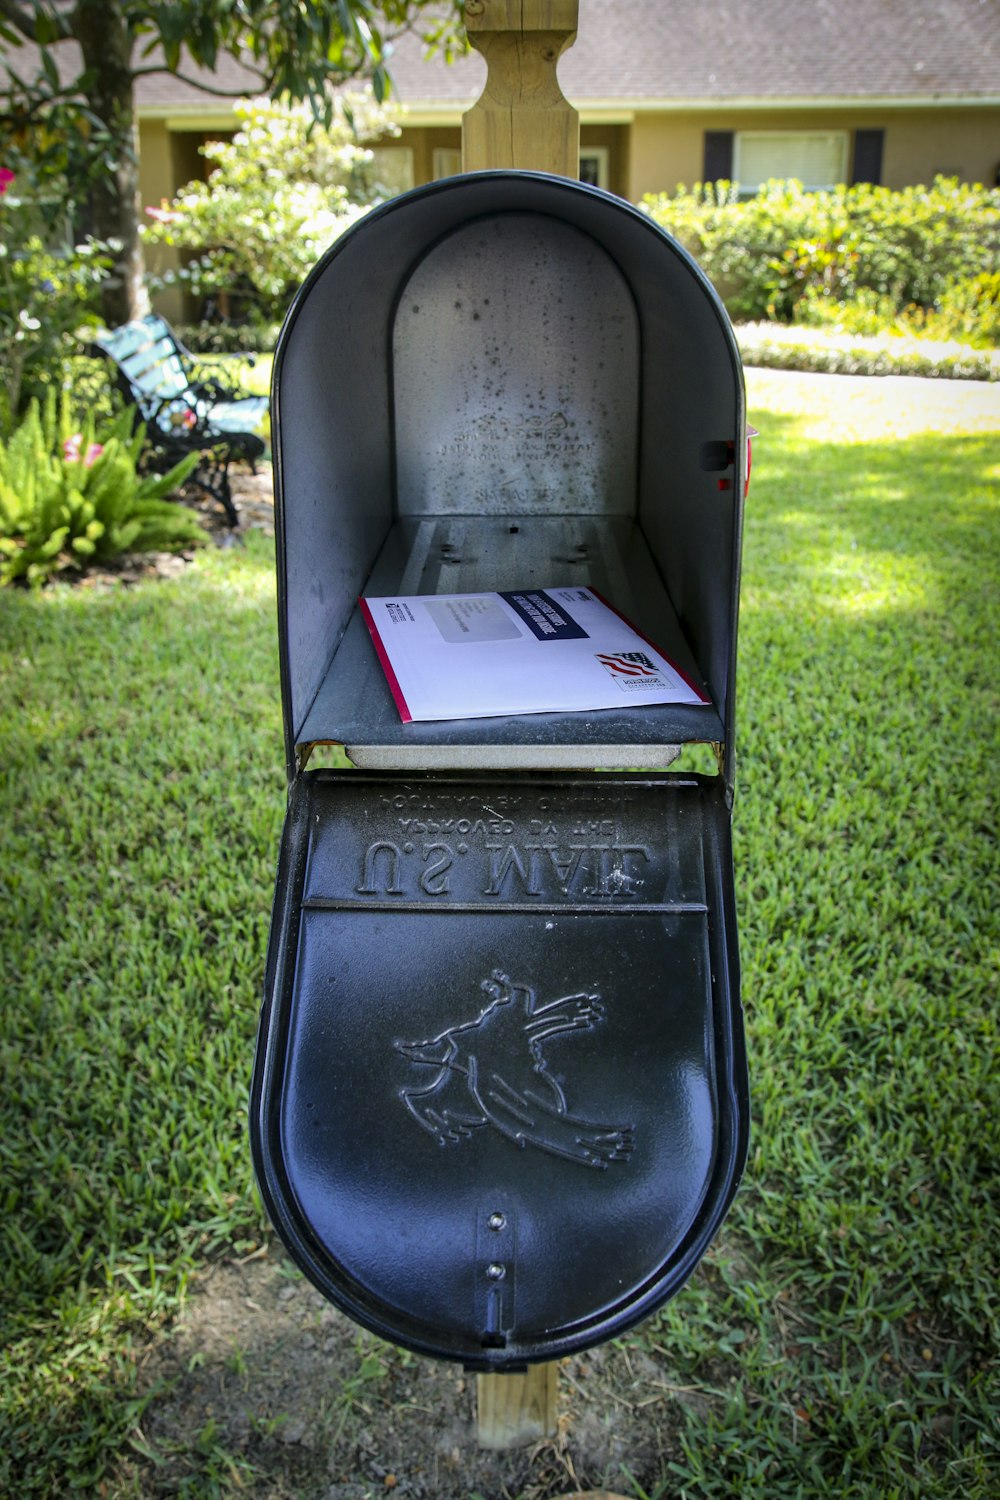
[(868, 156), (718, 156)]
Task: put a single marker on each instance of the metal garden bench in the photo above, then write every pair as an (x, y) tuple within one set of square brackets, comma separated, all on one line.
[(184, 404)]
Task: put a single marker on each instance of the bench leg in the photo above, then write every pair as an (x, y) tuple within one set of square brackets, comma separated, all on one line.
[(212, 475)]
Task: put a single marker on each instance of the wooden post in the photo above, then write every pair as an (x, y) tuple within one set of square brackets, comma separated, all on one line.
[(522, 120), (515, 1410)]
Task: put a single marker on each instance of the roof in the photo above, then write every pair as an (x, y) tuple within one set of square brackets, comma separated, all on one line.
[(679, 53), (675, 51)]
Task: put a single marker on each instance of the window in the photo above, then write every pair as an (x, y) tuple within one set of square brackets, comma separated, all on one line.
[(446, 161), (594, 165), (818, 158), (393, 169)]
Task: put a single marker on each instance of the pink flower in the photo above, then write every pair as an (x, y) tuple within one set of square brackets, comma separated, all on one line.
[(6, 178), (71, 451), (163, 214)]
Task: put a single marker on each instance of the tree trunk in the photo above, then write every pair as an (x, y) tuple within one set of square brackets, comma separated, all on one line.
[(106, 44)]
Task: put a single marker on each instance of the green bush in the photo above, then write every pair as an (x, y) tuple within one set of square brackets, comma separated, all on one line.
[(49, 287), (280, 193), (968, 310), (68, 500), (228, 338), (785, 254), (783, 346)]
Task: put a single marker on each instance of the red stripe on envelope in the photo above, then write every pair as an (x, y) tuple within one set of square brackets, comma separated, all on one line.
[(383, 656)]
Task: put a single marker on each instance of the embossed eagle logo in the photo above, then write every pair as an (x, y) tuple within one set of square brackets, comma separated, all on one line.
[(491, 1072)]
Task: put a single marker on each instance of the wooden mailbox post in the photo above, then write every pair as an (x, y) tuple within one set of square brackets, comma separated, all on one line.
[(522, 120)]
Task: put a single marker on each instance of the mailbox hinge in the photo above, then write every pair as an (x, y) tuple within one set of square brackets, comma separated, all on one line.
[(496, 1258), (719, 751)]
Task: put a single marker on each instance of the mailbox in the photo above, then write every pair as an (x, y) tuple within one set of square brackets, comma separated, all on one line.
[(499, 1103)]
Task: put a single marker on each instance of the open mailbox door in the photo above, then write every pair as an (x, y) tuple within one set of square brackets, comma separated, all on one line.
[(500, 1104)]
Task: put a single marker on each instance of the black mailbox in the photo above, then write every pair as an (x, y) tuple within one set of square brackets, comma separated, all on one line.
[(500, 1105)]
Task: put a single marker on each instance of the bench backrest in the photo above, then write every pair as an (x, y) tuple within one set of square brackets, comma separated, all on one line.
[(149, 360)]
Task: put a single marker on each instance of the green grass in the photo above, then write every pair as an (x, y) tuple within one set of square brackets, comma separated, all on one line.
[(142, 782), (845, 1325), (839, 1337)]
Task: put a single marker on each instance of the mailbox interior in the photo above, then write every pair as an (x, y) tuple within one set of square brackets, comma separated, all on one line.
[(501, 381)]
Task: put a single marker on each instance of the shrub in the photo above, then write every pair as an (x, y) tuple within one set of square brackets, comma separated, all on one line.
[(783, 346), (68, 499), (970, 309), (280, 193), (228, 338), (49, 290), (786, 253)]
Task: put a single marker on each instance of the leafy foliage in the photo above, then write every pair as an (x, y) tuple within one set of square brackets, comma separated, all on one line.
[(968, 309), (298, 51), (48, 287), (67, 500), (215, 339), (787, 254), (833, 349), (280, 192)]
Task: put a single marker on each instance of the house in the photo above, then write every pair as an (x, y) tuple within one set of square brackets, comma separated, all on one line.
[(681, 91)]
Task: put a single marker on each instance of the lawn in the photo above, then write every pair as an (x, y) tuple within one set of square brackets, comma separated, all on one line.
[(841, 1337)]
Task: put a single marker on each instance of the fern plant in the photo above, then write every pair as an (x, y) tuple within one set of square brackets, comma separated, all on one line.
[(68, 500)]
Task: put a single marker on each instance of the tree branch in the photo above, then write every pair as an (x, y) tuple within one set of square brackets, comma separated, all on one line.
[(344, 75), (206, 88)]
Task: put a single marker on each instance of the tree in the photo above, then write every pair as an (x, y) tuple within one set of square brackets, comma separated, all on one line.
[(91, 52)]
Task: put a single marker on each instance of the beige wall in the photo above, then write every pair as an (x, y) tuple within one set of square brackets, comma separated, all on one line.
[(668, 148), (614, 140), (962, 144), (157, 181), (423, 140), (661, 150), (167, 160)]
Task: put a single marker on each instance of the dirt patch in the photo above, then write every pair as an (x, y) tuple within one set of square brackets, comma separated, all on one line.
[(253, 495), (262, 1378)]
